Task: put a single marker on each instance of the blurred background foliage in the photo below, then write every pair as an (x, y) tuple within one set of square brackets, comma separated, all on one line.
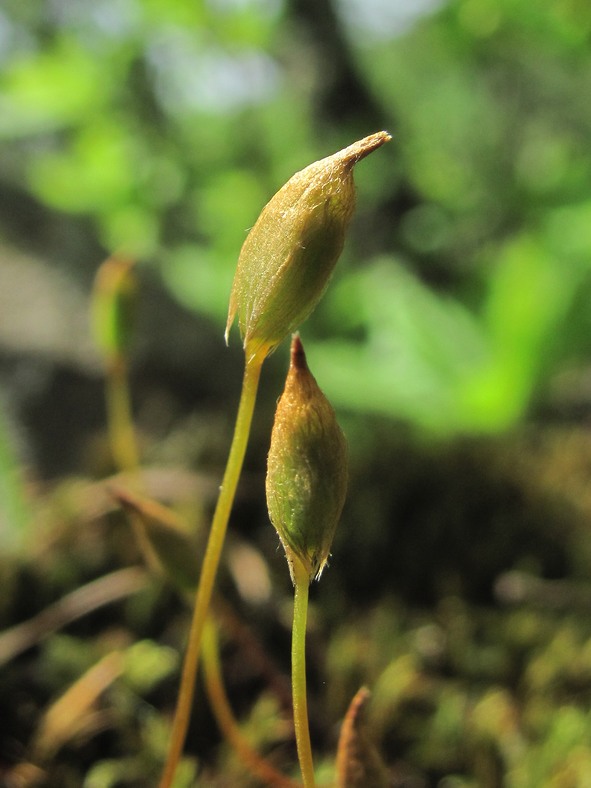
[(454, 340), (168, 125)]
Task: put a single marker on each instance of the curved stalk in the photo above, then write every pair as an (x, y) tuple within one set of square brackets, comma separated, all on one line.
[(225, 717), (252, 371), (301, 579)]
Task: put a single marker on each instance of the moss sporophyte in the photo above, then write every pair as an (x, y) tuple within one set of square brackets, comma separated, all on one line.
[(283, 269), (113, 311), (306, 486), (289, 255)]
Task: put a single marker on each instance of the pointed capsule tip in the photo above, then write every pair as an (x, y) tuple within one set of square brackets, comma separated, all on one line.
[(298, 357), (362, 148)]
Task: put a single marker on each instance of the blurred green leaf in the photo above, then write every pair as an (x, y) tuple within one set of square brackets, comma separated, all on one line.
[(96, 173), (419, 351), (146, 664), (528, 297), (51, 89), (199, 280)]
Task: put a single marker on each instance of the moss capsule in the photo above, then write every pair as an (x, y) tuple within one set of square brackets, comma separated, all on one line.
[(307, 468), (289, 255)]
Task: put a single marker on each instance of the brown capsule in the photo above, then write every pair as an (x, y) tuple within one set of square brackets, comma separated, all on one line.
[(289, 255), (307, 468)]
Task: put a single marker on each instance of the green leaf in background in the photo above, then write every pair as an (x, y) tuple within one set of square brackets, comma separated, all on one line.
[(529, 295), (420, 348), (44, 91), (96, 173), (198, 279), (429, 360)]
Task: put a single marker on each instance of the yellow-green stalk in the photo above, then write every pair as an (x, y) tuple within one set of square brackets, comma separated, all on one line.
[(306, 487)]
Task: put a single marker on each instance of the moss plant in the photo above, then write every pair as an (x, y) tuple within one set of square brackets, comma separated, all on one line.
[(306, 485), (283, 269), (113, 308), (113, 311)]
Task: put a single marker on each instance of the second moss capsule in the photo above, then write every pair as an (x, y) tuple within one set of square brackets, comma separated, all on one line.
[(307, 468)]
